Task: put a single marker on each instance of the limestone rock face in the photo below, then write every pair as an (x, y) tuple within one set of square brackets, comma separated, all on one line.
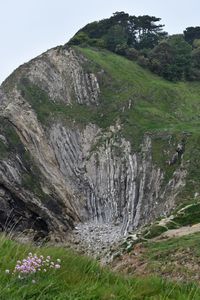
[(62, 173)]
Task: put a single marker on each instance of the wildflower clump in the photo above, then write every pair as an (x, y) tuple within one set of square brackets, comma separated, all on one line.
[(34, 263)]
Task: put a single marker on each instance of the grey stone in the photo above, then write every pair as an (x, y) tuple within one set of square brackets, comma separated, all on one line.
[(103, 194)]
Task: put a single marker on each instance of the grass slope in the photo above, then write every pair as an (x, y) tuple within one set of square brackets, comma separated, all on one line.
[(156, 103), (175, 259), (79, 279), (145, 103)]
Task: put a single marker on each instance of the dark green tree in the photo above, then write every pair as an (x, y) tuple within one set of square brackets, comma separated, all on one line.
[(196, 57), (191, 33), (148, 32), (171, 58), (182, 56), (161, 58), (142, 38), (195, 65), (116, 38), (140, 32)]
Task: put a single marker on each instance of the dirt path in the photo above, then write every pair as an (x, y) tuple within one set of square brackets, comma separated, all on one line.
[(185, 230)]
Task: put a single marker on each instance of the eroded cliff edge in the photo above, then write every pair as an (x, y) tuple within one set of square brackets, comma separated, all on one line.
[(58, 167)]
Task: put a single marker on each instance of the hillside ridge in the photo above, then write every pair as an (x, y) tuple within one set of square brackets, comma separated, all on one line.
[(91, 137)]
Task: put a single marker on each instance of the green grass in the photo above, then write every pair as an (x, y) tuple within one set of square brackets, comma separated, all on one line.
[(156, 104), (154, 231), (184, 217), (165, 248), (188, 215), (47, 109), (175, 258), (80, 279)]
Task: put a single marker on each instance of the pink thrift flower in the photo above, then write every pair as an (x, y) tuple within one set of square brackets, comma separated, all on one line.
[(57, 266)]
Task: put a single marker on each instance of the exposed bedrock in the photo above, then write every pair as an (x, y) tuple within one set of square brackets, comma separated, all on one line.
[(117, 186), (83, 174)]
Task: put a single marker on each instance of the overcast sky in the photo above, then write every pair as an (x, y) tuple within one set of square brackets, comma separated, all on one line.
[(30, 27)]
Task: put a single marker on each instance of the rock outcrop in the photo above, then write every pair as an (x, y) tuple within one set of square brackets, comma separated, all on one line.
[(76, 173)]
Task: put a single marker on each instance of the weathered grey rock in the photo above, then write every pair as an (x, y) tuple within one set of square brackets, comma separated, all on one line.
[(85, 175)]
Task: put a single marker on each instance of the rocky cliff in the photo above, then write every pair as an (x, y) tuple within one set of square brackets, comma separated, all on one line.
[(59, 167)]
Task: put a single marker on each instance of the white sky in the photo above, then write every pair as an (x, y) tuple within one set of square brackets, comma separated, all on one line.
[(30, 27)]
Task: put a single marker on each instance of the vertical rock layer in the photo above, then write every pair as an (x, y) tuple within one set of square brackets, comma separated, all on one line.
[(81, 173)]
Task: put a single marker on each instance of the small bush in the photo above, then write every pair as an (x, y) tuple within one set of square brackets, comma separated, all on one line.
[(155, 230)]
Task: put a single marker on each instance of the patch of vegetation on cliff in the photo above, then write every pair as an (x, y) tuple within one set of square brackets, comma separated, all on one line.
[(32, 177), (154, 231), (162, 150), (12, 143), (79, 278), (12, 146), (182, 219), (188, 215), (3, 150), (192, 160), (47, 109)]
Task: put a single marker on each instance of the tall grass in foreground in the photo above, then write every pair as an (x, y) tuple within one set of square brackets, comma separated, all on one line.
[(79, 278)]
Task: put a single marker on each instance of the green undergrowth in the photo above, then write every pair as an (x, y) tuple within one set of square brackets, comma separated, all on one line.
[(162, 249), (187, 215), (79, 278), (47, 109), (153, 231), (177, 257)]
